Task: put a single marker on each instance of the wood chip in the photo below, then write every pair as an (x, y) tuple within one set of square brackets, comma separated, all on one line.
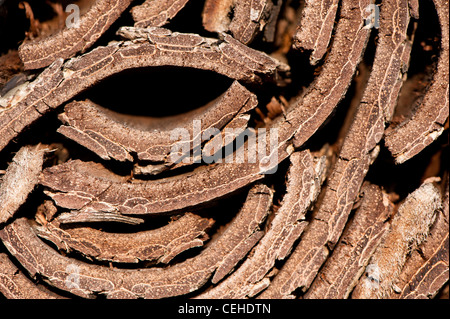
[(150, 47), (248, 17)]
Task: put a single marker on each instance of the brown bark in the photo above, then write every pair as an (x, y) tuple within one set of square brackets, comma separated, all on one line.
[(351, 201)]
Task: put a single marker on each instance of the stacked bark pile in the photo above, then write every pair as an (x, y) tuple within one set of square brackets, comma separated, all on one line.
[(311, 148)]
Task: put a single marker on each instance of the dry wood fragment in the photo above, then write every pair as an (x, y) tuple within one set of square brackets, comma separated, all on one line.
[(409, 228), (249, 16), (294, 122), (304, 180), (15, 285), (414, 8), (160, 245), (87, 279), (315, 28), (427, 123), (77, 185), (230, 57), (343, 268), (426, 269), (156, 13), (67, 42), (20, 178)]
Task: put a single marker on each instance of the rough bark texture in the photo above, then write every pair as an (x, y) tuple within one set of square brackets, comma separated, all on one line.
[(297, 151)]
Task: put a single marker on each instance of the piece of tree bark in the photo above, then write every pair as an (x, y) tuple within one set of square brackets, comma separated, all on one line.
[(156, 13), (15, 285), (249, 16), (305, 177), (20, 178), (160, 245), (75, 186), (315, 28), (426, 270), (341, 272), (86, 279), (427, 123), (71, 40), (409, 228)]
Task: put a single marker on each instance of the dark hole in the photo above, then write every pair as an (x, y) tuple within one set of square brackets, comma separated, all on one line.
[(157, 92)]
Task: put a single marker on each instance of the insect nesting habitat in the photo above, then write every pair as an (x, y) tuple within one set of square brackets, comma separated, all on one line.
[(212, 149)]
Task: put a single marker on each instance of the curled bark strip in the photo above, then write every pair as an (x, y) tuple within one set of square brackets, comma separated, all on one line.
[(305, 177), (343, 268), (358, 152), (151, 47), (112, 137), (160, 245), (427, 124), (156, 13), (252, 254), (71, 40), (315, 28), (20, 178), (409, 228), (425, 272), (15, 285), (86, 279), (76, 186), (228, 56)]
